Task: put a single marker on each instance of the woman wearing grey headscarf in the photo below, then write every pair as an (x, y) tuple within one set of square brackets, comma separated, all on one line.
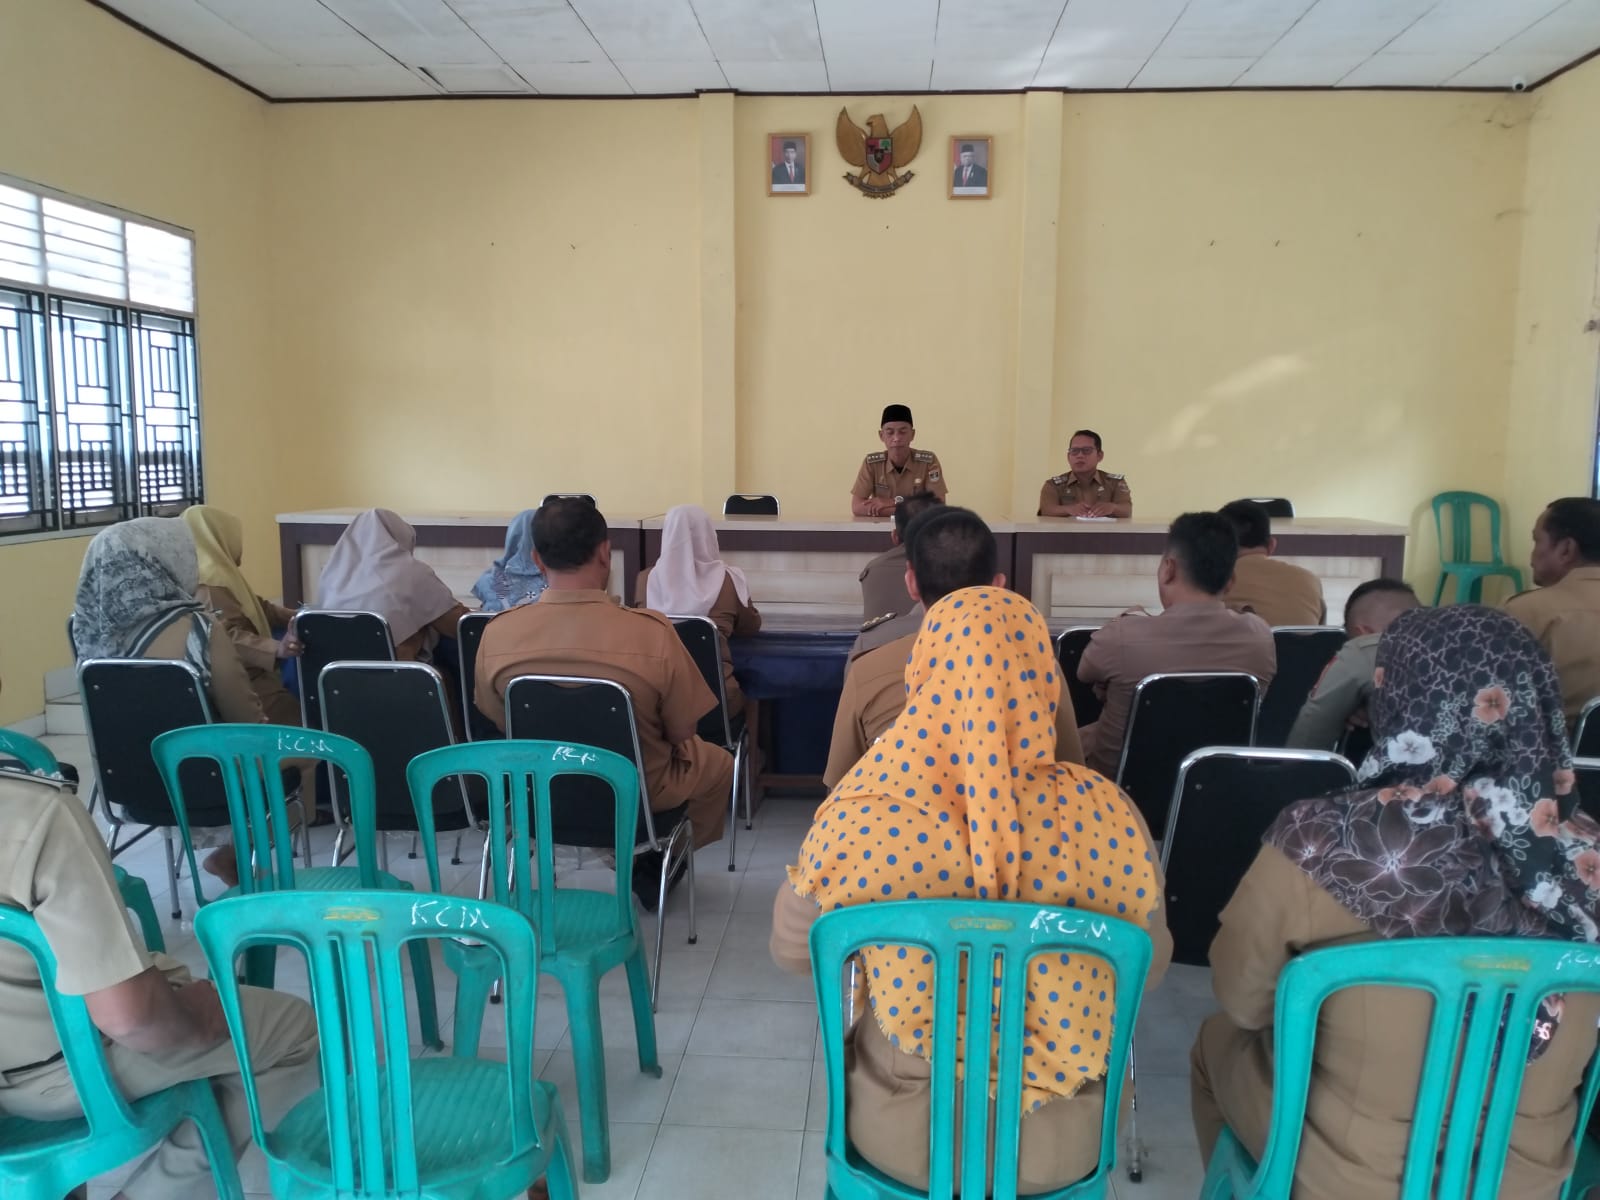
[(136, 599)]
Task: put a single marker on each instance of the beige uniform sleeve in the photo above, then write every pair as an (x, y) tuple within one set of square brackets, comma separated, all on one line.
[(1122, 495), (1069, 746), (862, 487), (1049, 499), (849, 741), (277, 614), (232, 696), (639, 589), (486, 696), (253, 649), (1100, 656), (936, 479), (1339, 694), (69, 887), (792, 918)]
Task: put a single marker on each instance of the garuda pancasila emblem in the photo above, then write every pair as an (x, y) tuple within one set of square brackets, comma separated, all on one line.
[(880, 155)]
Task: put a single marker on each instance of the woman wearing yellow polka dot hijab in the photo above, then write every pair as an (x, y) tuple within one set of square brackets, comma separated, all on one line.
[(963, 797)]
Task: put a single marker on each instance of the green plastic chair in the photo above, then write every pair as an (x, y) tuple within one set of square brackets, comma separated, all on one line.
[(250, 756), (975, 931), (1485, 991), (582, 933), (44, 1160), (36, 756), (394, 1127), (1456, 559)]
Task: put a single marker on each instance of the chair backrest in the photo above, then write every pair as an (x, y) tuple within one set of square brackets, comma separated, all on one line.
[(1486, 994), (1588, 772), (394, 711), (249, 761), (82, 1047), (518, 776), (1069, 652), (127, 704), (581, 711), (335, 637), (1225, 799), (1303, 653), (33, 755), (750, 506), (1460, 506), (1586, 733), (1172, 716), (1276, 506), (703, 641), (469, 636), (567, 496), (355, 944), (998, 941)]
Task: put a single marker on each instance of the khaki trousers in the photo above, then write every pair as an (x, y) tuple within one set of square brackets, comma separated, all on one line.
[(283, 1042), (701, 774)]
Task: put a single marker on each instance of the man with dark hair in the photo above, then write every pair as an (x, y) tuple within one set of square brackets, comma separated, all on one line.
[(948, 549), (1085, 490), (791, 172), (1341, 695), (897, 470), (577, 628), (1194, 632), (1278, 592), (1563, 610), (887, 610)]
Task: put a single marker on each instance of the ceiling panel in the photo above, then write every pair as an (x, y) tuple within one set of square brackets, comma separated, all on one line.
[(1471, 25), (1287, 70), (1572, 30), (292, 82), (995, 29), (1086, 71), (1408, 70), (539, 31), (1114, 28), (1500, 70), (665, 78), (1162, 72), (1354, 27), (760, 30), (417, 32), (875, 75), (662, 31), (898, 30), (479, 80), (776, 76), (302, 31), (982, 75), (1224, 29), (594, 78)]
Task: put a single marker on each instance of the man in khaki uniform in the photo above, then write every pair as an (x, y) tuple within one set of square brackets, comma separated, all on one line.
[(1195, 632), (1345, 687), (897, 470), (887, 610), (1085, 490), (949, 549), (576, 628), (1563, 611), (1279, 593), (161, 1027)]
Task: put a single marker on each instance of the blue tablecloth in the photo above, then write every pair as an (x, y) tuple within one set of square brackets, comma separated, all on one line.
[(797, 677)]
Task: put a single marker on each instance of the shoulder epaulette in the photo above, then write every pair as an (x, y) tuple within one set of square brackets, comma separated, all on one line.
[(878, 457), (1112, 475), (876, 621), (1058, 480), (924, 455)]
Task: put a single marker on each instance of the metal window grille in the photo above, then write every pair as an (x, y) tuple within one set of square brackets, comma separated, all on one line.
[(25, 492)]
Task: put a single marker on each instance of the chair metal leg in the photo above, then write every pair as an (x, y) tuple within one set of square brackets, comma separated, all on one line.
[(383, 850), (412, 853), (749, 784), (455, 859), (733, 801), (1135, 1146), (172, 873), (338, 844), (483, 869)]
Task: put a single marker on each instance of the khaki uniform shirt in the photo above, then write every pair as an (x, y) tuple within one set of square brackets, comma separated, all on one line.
[(883, 585), (878, 480), (1565, 617), (589, 633), (54, 865), (231, 695), (1103, 487), (1200, 636), (881, 631), (257, 651), (875, 694), (1369, 1050), (732, 619), (1278, 592), (1341, 692)]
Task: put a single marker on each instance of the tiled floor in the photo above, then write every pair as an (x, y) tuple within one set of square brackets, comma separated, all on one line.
[(738, 1109)]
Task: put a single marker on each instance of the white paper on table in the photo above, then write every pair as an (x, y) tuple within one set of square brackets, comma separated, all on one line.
[(1094, 518)]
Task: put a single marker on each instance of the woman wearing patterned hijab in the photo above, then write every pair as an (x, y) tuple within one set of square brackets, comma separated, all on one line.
[(963, 797), (1465, 823), (515, 579), (136, 599)]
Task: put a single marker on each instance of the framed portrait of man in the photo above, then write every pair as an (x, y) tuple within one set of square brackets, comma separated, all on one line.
[(789, 156), (971, 160)]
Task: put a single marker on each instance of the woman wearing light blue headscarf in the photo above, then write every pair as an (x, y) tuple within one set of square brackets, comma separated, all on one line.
[(514, 580)]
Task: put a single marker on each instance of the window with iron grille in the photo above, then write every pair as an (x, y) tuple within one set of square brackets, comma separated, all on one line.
[(99, 382)]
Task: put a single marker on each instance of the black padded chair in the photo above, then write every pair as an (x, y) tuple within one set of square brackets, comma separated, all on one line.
[(1172, 716), (599, 712), (1070, 646), (469, 636), (1304, 651), (1276, 506), (568, 496), (329, 636), (703, 640), (127, 704), (750, 506), (1588, 773), (397, 711), (1225, 798), (1586, 733)]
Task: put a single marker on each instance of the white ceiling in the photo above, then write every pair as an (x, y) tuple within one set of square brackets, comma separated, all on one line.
[(295, 49)]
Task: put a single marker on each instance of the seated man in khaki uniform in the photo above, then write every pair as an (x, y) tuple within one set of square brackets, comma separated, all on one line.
[(949, 549), (576, 628), (1278, 592), (887, 611), (1342, 692), (1563, 610), (1085, 490), (161, 1026), (1195, 632), (897, 470)]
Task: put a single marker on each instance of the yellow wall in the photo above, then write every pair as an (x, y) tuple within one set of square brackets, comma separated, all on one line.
[(91, 107), (1550, 441)]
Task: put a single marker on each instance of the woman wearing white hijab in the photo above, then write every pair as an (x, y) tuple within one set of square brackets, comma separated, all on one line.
[(372, 569), (690, 579)]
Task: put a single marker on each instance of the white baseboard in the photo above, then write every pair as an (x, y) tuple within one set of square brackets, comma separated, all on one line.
[(61, 684), (31, 726)]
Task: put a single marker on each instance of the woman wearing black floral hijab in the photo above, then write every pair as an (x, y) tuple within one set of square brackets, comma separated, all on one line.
[(1466, 823)]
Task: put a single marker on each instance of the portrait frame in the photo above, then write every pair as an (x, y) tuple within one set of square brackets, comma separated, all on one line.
[(775, 161), (983, 159)]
